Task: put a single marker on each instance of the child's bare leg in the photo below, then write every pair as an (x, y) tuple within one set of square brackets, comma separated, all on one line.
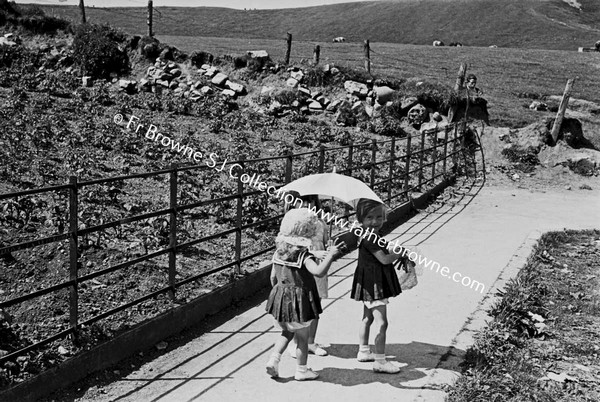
[(381, 325), (302, 346), (280, 344), (312, 333), (282, 341), (303, 373), (365, 326), (364, 351)]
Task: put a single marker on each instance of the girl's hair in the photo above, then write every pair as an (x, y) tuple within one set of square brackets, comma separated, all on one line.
[(311, 199), (471, 77), (288, 252), (364, 206)]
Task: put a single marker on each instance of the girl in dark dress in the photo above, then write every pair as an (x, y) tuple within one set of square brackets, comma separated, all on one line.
[(294, 300), (375, 281)]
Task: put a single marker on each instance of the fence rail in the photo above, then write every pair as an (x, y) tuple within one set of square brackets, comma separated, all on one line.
[(394, 168)]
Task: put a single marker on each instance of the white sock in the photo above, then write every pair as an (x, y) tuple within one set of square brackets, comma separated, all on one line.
[(364, 348), (301, 369), (380, 358)]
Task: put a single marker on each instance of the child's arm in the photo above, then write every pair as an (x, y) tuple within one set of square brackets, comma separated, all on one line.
[(273, 277), (320, 270)]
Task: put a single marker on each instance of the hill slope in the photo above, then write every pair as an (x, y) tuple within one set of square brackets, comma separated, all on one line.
[(545, 24)]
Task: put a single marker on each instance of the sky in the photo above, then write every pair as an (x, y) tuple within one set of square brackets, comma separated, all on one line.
[(238, 4)]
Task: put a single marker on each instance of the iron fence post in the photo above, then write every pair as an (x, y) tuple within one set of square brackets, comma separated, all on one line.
[(407, 166), (172, 230), (73, 256), (238, 218)]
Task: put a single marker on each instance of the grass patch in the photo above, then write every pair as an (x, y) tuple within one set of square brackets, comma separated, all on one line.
[(541, 344)]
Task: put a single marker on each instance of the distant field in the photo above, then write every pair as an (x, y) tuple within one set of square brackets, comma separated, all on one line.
[(503, 73), (534, 24)]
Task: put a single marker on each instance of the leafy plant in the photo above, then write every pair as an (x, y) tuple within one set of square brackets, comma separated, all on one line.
[(96, 50)]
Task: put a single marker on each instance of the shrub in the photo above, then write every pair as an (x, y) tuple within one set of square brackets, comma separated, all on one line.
[(200, 58), (96, 50), (149, 47)]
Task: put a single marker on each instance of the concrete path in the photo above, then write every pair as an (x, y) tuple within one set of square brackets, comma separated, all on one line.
[(484, 235)]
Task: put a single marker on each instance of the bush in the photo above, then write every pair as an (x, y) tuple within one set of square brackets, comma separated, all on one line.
[(96, 50), (200, 58), (149, 47)]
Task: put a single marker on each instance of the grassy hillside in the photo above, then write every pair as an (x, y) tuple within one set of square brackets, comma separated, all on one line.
[(544, 24)]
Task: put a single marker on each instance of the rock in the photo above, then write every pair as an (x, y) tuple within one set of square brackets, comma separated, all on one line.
[(275, 107), (163, 83), (267, 91), (162, 345), (7, 42), (356, 88), (515, 176), (298, 75), (315, 106), (567, 187), (173, 84), (585, 187), (86, 81), (62, 350), (237, 88), (166, 53), (205, 67), (333, 106), (334, 71), (211, 72), (228, 92), (408, 103), (259, 54), (539, 106), (176, 72), (127, 86), (304, 90), (206, 90), (383, 94), (291, 82), (219, 79)]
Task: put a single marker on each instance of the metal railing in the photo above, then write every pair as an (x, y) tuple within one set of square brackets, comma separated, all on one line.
[(394, 169)]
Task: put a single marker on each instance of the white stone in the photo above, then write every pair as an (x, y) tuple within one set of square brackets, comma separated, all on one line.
[(219, 79), (236, 87)]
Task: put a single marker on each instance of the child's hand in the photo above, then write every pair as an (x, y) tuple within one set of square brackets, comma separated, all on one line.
[(336, 248), (319, 254)]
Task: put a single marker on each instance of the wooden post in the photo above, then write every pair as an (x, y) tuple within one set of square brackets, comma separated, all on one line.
[(321, 159), (407, 166), (421, 156), (289, 48), (238, 220), (317, 54), (460, 78), (561, 110), (458, 85), (367, 57), (373, 162), (172, 230), (82, 9), (73, 256), (150, 18), (391, 174)]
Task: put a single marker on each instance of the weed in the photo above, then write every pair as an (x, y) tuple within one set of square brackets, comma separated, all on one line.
[(96, 50)]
